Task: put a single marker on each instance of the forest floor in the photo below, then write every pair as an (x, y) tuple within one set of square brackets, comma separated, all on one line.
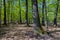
[(20, 32)]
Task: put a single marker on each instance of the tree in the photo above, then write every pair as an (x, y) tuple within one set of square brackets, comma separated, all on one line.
[(43, 7), (36, 19), (56, 12), (12, 10), (27, 13), (20, 12), (4, 1), (8, 11), (0, 12), (46, 15)]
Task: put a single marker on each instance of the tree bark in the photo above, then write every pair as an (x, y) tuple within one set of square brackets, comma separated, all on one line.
[(0, 12), (27, 13), (46, 23), (8, 10), (12, 8), (43, 5), (4, 12), (36, 19), (20, 12)]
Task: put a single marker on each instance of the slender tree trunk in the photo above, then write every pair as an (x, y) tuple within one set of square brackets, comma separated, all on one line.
[(8, 10), (0, 16), (55, 14), (36, 19), (12, 3), (43, 21), (46, 23), (4, 12), (11, 17), (20, 12), (27, 13), (0, 12)]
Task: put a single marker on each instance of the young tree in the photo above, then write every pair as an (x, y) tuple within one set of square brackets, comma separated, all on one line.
[(8, 11), (4, 1), (20, 12), (43, 6), (36, 19), (55, 13), (12, 8), (0, 11), (27, 13), (11, 17), (44, 12), (46, 15)]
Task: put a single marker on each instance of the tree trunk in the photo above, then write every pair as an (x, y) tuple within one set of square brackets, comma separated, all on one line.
[(43, 21), (12, 8), (20, 12), (27, 13), (36, 19), (11, 17), (46, 23), (4, 12), (0, 12), (8, 10), (55, 14)]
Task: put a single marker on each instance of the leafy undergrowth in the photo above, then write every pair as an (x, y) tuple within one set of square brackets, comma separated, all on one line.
[(19, 32)]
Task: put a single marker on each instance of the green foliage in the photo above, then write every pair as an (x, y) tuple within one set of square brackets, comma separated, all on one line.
[(51, 4)]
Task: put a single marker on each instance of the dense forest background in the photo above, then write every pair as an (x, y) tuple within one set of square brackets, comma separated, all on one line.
[(14, 8)]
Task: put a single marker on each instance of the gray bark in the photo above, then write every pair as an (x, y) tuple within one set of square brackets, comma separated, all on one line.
[(36, 19)]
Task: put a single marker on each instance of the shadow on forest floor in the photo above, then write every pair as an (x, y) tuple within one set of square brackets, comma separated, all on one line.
[(19, 32)]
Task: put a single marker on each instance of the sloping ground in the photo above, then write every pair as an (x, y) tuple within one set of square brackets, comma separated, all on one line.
[(19, 32)]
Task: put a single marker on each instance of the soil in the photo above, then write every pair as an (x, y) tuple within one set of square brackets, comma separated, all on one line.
[(20, 32)]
